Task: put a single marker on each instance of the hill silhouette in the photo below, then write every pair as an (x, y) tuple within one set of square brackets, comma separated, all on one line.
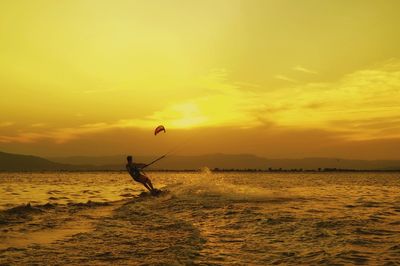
[(18, 162)]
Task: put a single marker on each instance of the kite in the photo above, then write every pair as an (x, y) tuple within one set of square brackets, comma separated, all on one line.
[(159, 129)]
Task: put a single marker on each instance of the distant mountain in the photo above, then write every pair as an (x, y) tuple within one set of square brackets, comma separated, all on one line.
[(93, 160), (17, 162), (228, 161)]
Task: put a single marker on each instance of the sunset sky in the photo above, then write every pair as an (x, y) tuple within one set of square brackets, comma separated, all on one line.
[(279, 79)]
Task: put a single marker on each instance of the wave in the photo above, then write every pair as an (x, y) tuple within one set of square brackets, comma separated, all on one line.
[(209, 184), (26, 212)]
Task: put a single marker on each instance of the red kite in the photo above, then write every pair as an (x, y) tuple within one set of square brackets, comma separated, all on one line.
[(159, 129)]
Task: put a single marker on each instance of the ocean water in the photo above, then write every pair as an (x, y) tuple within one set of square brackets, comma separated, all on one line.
[(203, 218)]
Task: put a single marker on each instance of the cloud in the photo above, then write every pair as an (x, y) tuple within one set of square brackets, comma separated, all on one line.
[(360, 106), (27, 137), (38, 125), (285, 78), (224, 105), (304, 70), (58, 135), (6, 124), (364, 95)]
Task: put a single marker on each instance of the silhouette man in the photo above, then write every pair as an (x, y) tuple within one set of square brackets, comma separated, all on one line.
[(135, 170)]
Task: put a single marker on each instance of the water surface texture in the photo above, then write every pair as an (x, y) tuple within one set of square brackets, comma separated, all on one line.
[(204, 218)]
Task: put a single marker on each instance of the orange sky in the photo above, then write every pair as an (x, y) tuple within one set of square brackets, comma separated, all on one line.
[(273, 78)]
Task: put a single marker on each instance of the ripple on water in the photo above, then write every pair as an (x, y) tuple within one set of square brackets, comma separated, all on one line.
[(373, 231), (353, 257)]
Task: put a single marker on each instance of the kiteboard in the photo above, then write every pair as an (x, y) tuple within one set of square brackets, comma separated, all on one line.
[(156, 193)]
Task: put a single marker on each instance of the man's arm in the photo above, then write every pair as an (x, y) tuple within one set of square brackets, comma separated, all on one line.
[(140, 165)]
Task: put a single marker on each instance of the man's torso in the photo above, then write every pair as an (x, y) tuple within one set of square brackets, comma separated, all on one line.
[(133, 170)]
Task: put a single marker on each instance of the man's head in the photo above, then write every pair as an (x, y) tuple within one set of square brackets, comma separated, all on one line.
[(129, 158)]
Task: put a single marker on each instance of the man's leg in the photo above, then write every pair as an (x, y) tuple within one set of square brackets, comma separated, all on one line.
[(150, 184), (147, 182), (146, 186)]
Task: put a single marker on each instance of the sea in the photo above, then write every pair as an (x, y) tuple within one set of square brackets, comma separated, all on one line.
[(200, 218)]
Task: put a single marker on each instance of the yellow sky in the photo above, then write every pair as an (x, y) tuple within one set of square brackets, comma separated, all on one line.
[(274, 78)]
